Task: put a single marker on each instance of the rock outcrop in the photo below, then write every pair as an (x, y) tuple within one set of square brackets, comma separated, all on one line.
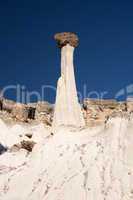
[(90, 164), (97, 112), (67, 110), (40, 111), (8, 105), (130, 105), (20, 112), (44, 112), (94, 111)]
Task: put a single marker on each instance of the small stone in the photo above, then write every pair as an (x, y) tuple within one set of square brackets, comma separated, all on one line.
[(28, 145)]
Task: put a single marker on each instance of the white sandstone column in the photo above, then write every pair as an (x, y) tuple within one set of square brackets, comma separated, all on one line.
[(67, 108)]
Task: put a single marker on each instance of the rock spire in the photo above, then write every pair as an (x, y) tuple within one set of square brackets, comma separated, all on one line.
[(67, 108)]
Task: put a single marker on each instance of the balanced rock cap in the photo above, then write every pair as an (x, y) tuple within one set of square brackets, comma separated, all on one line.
[(66, 38)]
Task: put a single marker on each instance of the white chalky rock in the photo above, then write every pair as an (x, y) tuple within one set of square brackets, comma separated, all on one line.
[(90, 164), (67, 108)]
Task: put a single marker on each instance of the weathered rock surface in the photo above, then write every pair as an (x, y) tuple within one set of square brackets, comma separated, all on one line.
[(7, 105), (97, 112), (44, 112), (66, 38), (12, 111), (20, 112), (67, 108), (89, 164), (130, 105), (24, 144), (28, 145), (15, 148)]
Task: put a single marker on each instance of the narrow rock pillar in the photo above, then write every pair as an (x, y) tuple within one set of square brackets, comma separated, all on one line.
[(67, 108)]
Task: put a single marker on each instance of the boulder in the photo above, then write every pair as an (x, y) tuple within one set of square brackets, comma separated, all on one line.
[(20, 112), (28, 145), (23, 112), (44, 112), (66, 38)]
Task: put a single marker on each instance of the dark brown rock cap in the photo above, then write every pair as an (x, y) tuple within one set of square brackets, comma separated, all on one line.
[(66, 38)]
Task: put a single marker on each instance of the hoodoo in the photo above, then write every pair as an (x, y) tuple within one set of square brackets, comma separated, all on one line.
[(67, 108)]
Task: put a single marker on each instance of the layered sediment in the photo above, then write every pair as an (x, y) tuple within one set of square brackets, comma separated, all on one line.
[(12, 111), (94, 111)]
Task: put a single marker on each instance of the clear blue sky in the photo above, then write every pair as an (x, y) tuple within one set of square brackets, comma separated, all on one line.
[(29, 55)]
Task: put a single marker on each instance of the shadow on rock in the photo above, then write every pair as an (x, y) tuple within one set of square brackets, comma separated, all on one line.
[(2, 149)]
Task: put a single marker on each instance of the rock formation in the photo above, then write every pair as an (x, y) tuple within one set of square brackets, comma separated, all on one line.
[(67, 109), (97, 112), (88, 164), (44, 112), (41, 111), (66, 38), (7, 105)]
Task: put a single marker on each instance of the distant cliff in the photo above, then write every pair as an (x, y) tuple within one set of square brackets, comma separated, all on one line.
[(95, 111)]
